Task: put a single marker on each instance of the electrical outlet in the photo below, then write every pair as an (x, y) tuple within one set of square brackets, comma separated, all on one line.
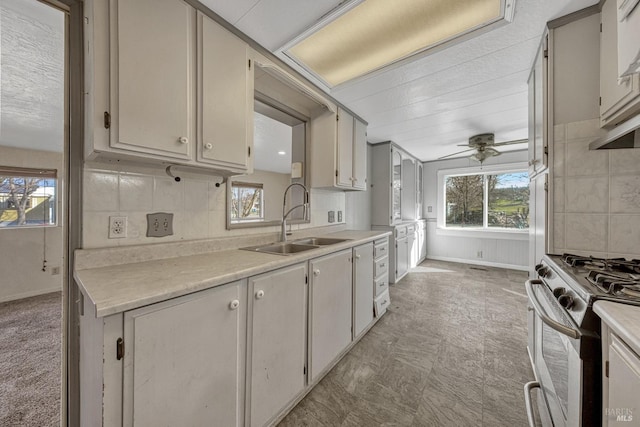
[(339, 216), (159, 224), (479, 254), (332, 216), (117, 227), (429, 208), (55, 271)]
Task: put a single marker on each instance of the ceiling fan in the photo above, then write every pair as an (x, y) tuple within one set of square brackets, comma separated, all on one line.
[(483, 144)]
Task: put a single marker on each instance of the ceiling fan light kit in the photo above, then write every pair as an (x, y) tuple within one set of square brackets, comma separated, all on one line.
[(483, 144)]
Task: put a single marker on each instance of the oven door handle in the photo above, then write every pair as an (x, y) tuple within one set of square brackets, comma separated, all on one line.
[(527, 401), (565, 330)]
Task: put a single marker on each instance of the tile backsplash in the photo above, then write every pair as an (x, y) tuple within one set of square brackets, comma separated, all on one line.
[(199, 207), (596, 195)]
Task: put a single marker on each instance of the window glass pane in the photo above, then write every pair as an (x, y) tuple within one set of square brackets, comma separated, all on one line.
[(464, 205), (246, 203), (508, 200), (27, 201)]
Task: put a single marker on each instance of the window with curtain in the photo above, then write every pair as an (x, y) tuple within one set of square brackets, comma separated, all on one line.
[(27, 197)]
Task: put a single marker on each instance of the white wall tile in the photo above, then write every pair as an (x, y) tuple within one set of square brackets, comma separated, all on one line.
[(135, 192), (100, 191), (625, 194), (559, 133), (625, 234), (558, 194), (586, 232), (587, 194), (168, 195), (558, 232), (583, 129), (559, 158), (581, 161), (624, 160)]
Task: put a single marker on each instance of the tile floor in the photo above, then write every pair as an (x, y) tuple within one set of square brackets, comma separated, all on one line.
[(450, 351)]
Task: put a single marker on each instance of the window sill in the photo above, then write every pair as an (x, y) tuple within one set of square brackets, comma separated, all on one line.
[(484, 233)]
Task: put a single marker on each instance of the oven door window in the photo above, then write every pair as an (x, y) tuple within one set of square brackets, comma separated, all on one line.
[(555, 353)]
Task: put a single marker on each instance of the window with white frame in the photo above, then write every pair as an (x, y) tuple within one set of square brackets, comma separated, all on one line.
[(27, 197), (247, 202), (489, 199)]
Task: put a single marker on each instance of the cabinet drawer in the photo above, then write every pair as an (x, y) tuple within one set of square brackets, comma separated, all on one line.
[(401, 232), (380, 250), (411, 229), (381, 303), (384, 240), (381, 284), (381, 267)]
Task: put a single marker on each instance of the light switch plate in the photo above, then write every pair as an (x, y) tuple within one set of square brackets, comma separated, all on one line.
[(159, 224), (339, 216), (332, 216)]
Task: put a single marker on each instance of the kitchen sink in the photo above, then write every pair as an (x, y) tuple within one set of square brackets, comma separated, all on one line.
[(320, 241), (282, 248)]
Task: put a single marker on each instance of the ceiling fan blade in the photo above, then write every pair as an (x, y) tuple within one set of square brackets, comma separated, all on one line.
[(459, 152), (491, 152), (517, 141), (465, 145)]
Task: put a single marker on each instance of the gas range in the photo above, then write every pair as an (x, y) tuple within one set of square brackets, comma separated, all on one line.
[(613, 279)]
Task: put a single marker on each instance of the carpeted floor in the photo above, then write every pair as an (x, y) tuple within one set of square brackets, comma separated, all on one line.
[(30, 351)]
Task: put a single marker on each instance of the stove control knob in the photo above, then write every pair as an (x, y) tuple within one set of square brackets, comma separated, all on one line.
[(542, 270), (566, 301), (558, 292)]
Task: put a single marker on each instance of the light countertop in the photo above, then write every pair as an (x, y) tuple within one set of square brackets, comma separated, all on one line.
[(117, 288), (622, 319)]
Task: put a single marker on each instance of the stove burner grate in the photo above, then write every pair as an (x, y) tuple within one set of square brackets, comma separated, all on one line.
[(615, 284)]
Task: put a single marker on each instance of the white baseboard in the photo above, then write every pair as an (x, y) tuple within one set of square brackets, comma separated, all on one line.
[(483, 263), (5, 298)]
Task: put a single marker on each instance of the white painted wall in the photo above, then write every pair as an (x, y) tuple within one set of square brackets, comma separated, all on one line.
[(199, 207), (22, 249), (496, 251)]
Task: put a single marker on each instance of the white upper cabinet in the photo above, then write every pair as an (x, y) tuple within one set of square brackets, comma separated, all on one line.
[(152, 77), (628, 37), (339, 151), (538, 98), (225, 98), (619, 97), (166, 84)]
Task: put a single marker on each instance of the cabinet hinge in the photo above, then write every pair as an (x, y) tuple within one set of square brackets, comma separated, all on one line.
[(306, 279), (546, 186), (546, 53), (336, 172), (249, 61), (546, 149), (337, 117), (107, 120), (304, 370), (249, 151), (601, 27), (119, 349), (606, 369), (600, 101)]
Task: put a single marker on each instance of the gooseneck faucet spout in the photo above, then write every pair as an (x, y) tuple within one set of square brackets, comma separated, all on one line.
[(304, 206)]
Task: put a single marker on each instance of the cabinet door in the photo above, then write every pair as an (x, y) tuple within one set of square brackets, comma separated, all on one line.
[(363, 287), (412, 245), (330, 312), (278, 339), (419, 190), (537, 110), (152, 77), (184, 361), (624, 382), (345, 149), (614, 93), (359, 155), (225, 92), (402, 257)]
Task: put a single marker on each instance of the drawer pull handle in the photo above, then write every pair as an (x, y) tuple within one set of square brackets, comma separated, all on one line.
[(234, 304), (357, 256), (259, 294), (183, 140), (382, 265), (382, 284), (316, 272)]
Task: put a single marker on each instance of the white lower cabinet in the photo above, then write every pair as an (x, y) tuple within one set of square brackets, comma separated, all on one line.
[(184, 360), (402, 257), (277, 341), (330, 309), (363, 290)]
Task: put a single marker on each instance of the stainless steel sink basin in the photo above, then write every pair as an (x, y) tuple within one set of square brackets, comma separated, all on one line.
[(283, 248), (320, 241)]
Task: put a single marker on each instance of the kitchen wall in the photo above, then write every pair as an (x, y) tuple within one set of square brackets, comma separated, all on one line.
[(496, 251), (199, 207), (22, 248), (596, 195)]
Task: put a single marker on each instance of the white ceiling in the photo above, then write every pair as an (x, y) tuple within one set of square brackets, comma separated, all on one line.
[(269, 138), (430, 105)]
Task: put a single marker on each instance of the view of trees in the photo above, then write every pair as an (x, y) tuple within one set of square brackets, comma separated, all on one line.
[(246, 202), (507, 204), (17, 194)]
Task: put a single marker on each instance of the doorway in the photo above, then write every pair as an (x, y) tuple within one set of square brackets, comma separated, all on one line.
[(34, 151)]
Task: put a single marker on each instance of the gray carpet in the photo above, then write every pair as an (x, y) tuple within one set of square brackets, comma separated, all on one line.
[(30, 351)]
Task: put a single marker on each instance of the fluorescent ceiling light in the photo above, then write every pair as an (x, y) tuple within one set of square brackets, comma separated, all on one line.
[(375, 33)]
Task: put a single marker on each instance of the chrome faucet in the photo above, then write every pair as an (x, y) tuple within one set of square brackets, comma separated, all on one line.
[(305, 207)]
